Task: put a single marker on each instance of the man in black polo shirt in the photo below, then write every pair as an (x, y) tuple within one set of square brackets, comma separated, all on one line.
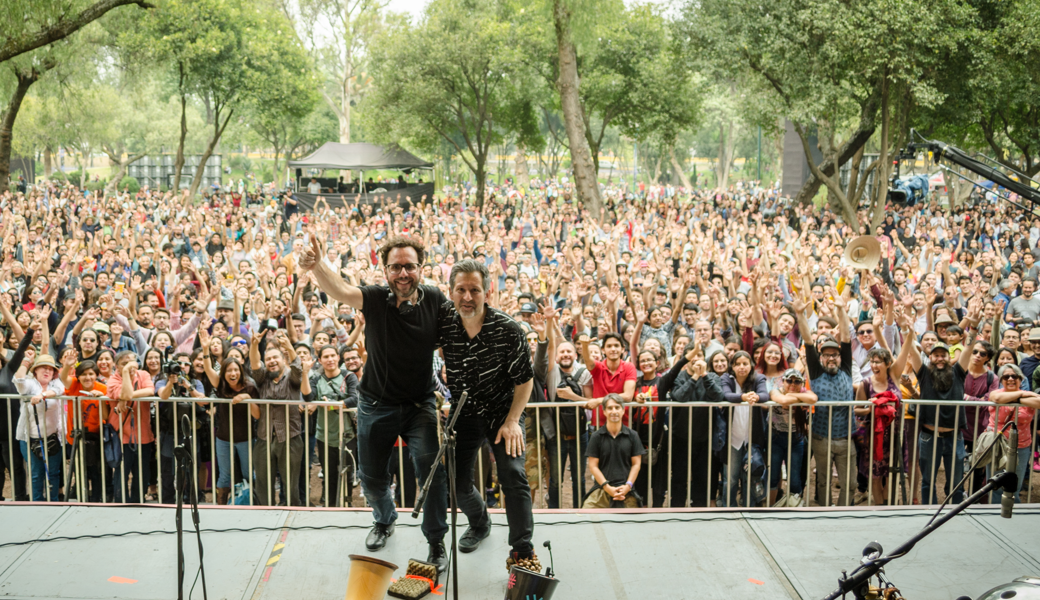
[(396, 393), (615, 457), (486, 354)]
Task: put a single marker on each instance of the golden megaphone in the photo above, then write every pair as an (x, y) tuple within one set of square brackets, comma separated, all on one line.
[(863, 252), (369, 578)]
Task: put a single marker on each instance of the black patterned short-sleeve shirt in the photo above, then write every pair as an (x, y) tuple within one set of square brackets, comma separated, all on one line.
[(489, 366)]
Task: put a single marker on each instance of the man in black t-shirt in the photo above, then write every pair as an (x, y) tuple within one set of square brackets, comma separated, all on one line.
[(940, 432), (396, 393), (615, 455)]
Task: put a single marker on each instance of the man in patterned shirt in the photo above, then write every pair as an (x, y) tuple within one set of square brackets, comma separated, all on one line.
[(486, 354)]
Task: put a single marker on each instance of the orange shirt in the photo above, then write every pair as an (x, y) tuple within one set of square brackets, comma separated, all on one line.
[(90, 409)]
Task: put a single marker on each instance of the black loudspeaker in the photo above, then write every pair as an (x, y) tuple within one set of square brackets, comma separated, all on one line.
[(299, 173)]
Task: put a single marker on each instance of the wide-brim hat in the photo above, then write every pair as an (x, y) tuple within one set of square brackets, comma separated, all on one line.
[(863, 252), (44, 360), (944, 319)]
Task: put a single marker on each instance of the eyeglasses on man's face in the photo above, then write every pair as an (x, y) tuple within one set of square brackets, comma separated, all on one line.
[(409, 268)]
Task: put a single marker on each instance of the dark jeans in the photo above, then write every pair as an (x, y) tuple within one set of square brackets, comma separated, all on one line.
[(950, 453), (379, 426), (512, 477), (127, 478), (46, 474), (11, 457), (331, 468), (91, 472), (693, 475), (558, 458)]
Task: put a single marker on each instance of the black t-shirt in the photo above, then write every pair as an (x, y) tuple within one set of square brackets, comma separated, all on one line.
[(400, 347), (615, 453), (948, 415)]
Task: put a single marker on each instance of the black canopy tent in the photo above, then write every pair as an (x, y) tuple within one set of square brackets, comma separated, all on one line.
[(360, 157)]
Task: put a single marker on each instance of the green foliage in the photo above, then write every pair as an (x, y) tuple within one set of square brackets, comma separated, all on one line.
[(129, 184), (451, 80)]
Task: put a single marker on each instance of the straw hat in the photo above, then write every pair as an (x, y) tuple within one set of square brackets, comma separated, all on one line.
[(44, 360), (863, 252)]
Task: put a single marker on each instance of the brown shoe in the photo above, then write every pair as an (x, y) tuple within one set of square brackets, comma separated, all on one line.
[(222, 496)]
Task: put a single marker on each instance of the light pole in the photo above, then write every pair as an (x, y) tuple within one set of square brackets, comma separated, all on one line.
[(635, 165)]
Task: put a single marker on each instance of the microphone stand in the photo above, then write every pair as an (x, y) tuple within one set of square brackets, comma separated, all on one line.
[(447, 450), (186, 483), (857, 584)]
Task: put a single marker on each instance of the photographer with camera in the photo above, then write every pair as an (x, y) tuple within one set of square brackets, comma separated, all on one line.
[(175, 382)]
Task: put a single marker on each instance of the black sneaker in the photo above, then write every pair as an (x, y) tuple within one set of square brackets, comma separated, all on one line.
[(438, 556), (472, 538), (377, 537)]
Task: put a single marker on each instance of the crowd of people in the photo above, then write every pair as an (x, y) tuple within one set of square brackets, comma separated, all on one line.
[(114, 304)]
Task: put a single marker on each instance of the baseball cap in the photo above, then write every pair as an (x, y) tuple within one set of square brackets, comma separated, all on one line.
[(830, 342), (528, 308), (793, 375), (226, 304), (940, 346)]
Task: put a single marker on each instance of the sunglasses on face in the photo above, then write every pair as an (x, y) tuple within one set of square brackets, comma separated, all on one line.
[(865, 332), (1010, 378)]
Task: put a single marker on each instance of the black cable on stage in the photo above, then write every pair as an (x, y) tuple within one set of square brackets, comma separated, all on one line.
[(771, 516)]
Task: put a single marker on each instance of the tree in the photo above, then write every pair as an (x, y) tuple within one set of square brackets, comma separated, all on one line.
[(450, 81), (584, 168), (25, 75), (229, 56), (292, 129), (43, 22), (825, 65), (337, 34), (991, 87)]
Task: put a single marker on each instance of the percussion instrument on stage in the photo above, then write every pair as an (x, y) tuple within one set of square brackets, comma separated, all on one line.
[(1023, 588), (369, 578), (528, 585)]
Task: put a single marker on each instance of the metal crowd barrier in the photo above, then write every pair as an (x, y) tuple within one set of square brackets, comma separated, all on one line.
[(902, 482)]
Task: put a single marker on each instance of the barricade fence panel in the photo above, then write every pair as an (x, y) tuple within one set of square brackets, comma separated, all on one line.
[(692, 454)]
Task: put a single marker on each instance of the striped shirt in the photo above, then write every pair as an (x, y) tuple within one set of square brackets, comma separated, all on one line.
[(488, 366)]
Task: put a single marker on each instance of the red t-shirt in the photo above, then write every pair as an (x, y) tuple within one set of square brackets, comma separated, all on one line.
[(604, 382), (90, 409)]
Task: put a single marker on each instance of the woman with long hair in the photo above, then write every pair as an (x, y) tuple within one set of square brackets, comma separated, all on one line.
[(882, 389), (106, 363), (741, 431), (649, 421), (232, 431)]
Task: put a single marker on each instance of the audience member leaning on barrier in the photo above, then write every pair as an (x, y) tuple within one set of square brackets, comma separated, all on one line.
[(697, 264)]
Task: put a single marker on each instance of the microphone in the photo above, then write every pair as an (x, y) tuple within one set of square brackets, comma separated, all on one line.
[(549, 572), (1007, 500)]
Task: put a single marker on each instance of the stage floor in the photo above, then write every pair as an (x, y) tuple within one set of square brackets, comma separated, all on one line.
[(619, 555)]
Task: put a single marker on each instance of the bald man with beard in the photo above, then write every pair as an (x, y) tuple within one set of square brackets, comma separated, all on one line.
[(942, 379)]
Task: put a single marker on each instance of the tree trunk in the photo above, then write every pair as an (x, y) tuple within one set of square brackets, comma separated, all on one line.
[(523, 176), (726, 148), (481, 174), (48, 162), (877, 204), (582, 164), (178, 163), (218, 130), (857, 140), (121, 165), (832, 182), (7, 122), (678, 169)]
